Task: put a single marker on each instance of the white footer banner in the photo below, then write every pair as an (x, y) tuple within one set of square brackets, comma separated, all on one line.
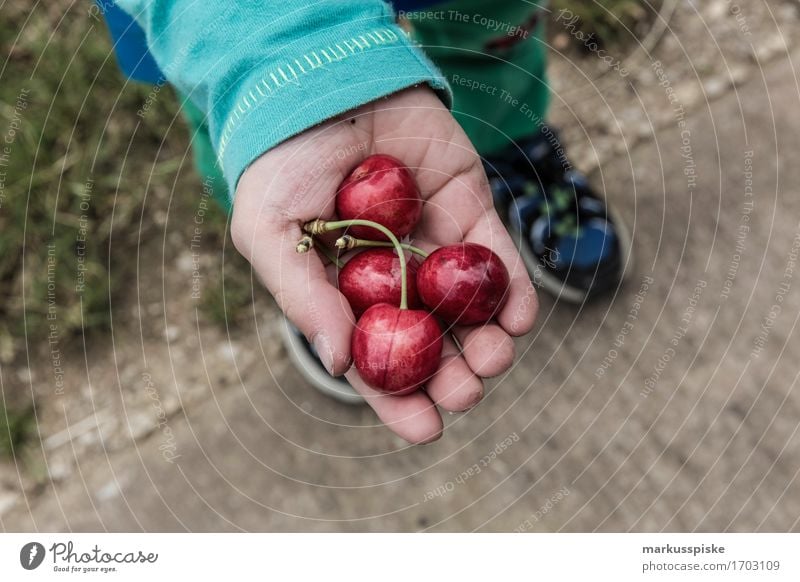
[(400, 557)]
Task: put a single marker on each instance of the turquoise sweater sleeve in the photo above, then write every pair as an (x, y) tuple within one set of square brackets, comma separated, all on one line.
[(263, 71)]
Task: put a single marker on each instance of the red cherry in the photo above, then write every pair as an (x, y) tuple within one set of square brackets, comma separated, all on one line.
[(396, 350), (464, 284), (380, 189), (373, 277)]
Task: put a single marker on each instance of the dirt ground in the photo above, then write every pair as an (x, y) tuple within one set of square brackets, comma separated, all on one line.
[(671, 406)]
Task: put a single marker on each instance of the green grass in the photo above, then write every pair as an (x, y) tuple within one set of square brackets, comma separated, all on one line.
[(17, 428), (77, 174), (75, 120), (74, 193), (606, 20)]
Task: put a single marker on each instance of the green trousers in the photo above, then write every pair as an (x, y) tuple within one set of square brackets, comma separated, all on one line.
[(493, 53)]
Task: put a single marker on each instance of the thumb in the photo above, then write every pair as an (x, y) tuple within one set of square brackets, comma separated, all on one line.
[(300, 285)]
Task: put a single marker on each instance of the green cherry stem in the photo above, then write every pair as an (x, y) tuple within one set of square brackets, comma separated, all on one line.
[(330, 254), (349, 243), (307, 243), (317, 227)]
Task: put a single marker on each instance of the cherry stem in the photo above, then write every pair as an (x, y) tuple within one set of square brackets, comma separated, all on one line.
[(330, 254), (349, 243), (305, 244), (317, 227)]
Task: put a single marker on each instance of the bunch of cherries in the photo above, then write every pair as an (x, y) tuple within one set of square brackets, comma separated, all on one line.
[(397, 342)]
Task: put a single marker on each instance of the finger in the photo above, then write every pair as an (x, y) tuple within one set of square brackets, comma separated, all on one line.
[(413, 418), (462, 210), (454, 387), (519, 313), (451, 212), (300, 285), (488, 350)]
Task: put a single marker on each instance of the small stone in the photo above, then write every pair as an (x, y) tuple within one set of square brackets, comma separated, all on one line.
[(228, 350), (172, 333), (769, 48), (561, 41), (688, 94), (716, 9), (7, 348), (643, 130), (108, 491), (171, 405), (25, 375), (88, 438), (140, 425), (185, 262), (739, 74), (8, 500), (59, 470), (716, 86)]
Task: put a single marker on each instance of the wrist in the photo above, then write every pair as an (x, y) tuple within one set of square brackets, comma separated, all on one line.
[(273, 104)]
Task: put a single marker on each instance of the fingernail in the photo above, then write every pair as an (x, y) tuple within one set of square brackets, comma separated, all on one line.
[(323, 346)]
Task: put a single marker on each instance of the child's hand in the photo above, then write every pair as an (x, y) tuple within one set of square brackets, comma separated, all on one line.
[(297, 181)]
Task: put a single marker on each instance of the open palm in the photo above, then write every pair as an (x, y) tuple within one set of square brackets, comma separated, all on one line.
[(297, 182)]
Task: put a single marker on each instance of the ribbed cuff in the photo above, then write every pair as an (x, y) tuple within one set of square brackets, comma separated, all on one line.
[(329, 74)]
